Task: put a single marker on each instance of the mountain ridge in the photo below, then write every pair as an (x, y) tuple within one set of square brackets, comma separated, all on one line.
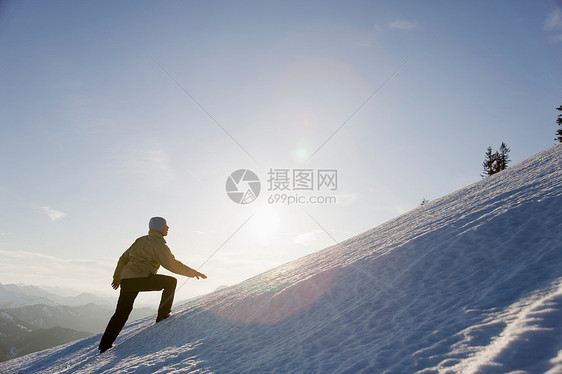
[(16, 295), (33, 319)]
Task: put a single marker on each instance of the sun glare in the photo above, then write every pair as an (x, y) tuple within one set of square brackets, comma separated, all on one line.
[(265, 223), (300, 154)]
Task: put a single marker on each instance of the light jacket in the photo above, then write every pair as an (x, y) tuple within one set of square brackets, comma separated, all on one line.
[(145, 256)]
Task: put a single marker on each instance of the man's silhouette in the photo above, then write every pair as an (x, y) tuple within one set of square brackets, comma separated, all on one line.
[(136, 272)]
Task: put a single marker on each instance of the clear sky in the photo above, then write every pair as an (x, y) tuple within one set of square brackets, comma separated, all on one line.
[(114, 112)]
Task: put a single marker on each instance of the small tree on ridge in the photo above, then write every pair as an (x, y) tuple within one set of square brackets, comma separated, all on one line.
[(488, 164), (496, 161), (559, 122)]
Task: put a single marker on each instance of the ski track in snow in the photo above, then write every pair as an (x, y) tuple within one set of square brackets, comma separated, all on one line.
[(470, 283)]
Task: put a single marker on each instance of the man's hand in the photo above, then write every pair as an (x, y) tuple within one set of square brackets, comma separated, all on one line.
[(200, 275), (115, 285)]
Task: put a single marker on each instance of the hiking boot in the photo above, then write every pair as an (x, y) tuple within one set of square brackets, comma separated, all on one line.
[(159, 318)]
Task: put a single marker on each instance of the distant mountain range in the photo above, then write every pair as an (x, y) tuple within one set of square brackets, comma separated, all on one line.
[(14, 295), (33, 319)]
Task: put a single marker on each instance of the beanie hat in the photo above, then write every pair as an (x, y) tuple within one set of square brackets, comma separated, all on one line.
[(156, 223)]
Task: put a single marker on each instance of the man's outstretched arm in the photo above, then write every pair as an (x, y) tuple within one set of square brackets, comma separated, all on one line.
[(169, 262)]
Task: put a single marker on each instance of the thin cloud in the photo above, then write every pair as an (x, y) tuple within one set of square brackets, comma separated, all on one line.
[(554, 20), (39, 268), (346, 199), (402, 25), (553, 23), (307, 237), (153, 166), (42, 259), (53, 214)]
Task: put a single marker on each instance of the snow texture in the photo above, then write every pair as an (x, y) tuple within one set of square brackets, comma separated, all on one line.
[(469, 283)]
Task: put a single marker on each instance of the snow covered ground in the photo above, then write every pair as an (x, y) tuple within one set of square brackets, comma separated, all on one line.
[(470, 283)]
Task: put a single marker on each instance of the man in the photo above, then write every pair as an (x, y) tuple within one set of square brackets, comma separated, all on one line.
[(136, 271)]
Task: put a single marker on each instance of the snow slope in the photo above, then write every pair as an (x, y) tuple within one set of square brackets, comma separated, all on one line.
[(470, 283)]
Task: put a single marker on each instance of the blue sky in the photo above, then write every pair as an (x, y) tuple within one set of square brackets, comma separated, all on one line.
[(113, 112)]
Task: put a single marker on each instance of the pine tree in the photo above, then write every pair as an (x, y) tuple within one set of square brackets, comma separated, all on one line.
[(488, 164), (502, 158), (559, 122), (496, 161)]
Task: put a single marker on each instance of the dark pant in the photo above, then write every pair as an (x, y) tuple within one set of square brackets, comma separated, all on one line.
[(130, 288)]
